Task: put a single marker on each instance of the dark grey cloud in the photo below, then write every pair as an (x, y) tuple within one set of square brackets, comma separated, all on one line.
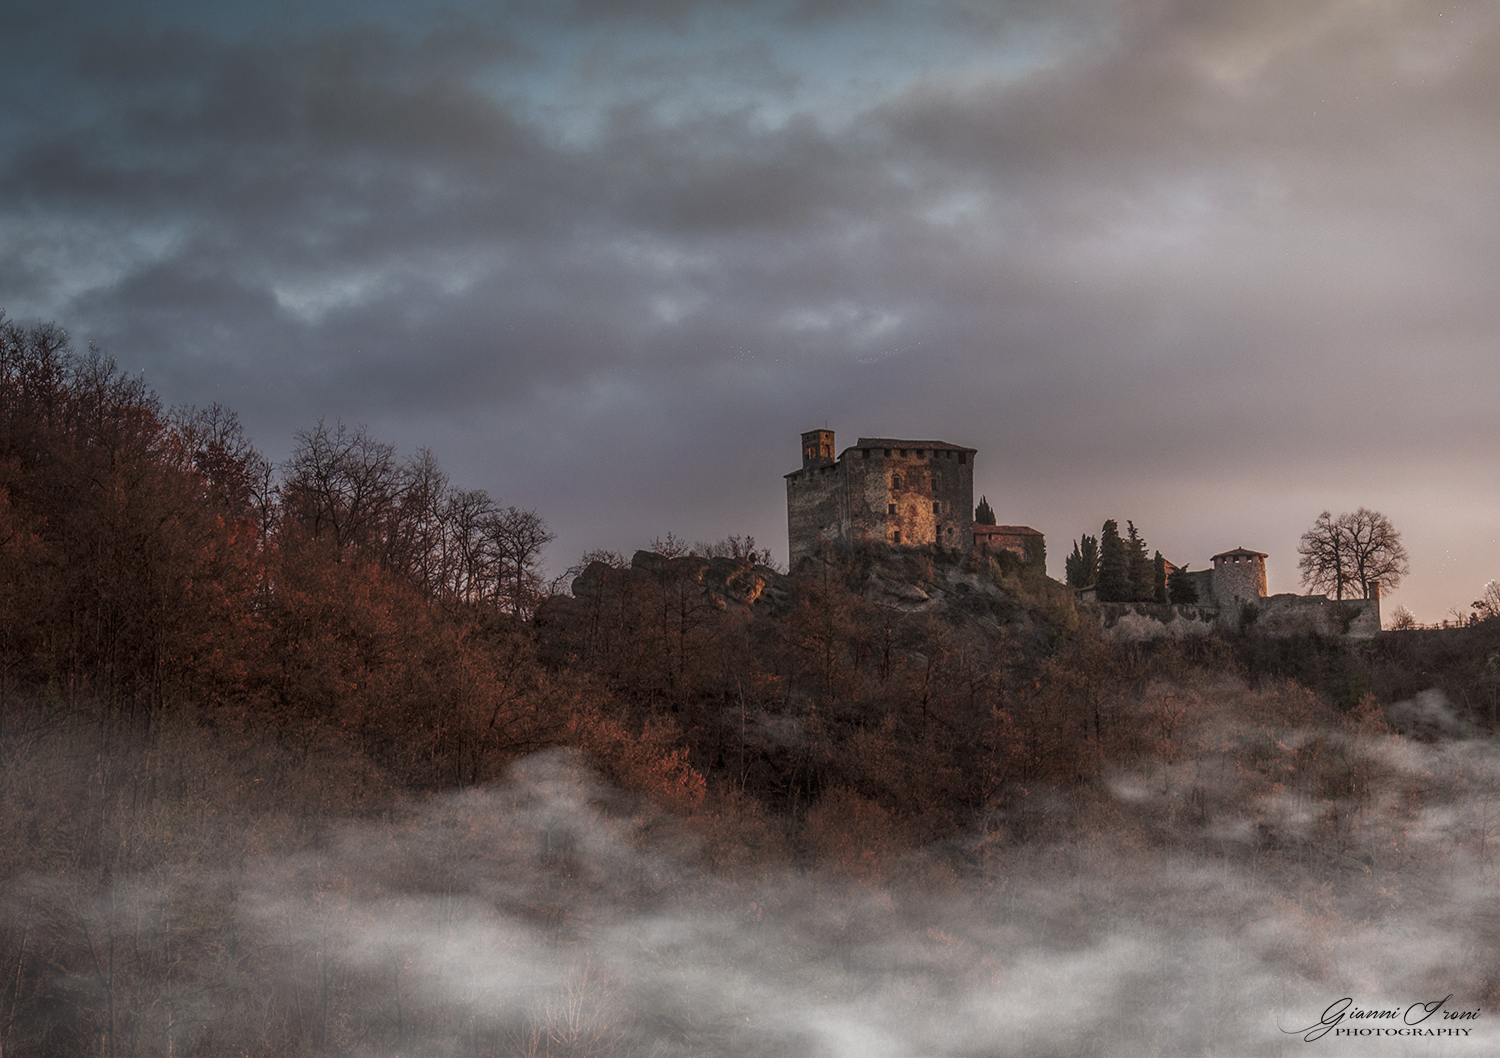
[(1120, 247)]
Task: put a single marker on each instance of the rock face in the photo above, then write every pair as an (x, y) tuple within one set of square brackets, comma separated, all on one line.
[(724, 582), (979, 589)]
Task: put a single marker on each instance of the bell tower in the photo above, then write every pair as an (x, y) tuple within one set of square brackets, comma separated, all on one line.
[(817, 448)]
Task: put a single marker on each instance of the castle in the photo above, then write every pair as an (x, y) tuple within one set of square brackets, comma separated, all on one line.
[(921, 493), (882, 490), (891, 491), (1233, 595), (1238, 577)]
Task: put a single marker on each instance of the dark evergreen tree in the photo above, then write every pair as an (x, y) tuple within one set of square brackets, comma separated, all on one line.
[(1114, 565), (1036, 552), (1081, 568), (1181, 588), (1138, 564), (1160, 586), (984, 514)]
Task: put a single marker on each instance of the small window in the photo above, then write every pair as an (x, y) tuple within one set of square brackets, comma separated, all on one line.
[(897, 537), (903, 453), (891, 509), (937, 507), (896, 482), (963, 457), (888, 453), (867, 453)]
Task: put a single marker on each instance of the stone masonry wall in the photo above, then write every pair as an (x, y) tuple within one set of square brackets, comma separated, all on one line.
[(906, 493), (816, 507)]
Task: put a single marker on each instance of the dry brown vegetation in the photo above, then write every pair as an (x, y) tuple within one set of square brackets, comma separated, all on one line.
[(303, 761)]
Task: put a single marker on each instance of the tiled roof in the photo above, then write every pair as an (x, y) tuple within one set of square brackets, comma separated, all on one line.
[(1238, 552), (1005, 530)]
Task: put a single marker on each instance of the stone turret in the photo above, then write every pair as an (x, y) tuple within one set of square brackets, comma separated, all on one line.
[(817, 448), (1239, 577)]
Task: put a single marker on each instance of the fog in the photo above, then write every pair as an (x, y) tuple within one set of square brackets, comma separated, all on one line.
[(1213, 900)]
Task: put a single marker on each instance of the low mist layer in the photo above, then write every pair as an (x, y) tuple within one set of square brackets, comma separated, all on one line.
[(1262, 864)]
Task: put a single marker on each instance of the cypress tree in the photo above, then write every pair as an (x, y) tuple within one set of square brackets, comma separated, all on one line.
[(1181, 588), (1160, 586), (1139, 566), (1081, 568), (1114, 565), (984, 514)]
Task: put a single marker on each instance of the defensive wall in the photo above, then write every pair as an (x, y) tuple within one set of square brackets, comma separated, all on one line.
[(1232, 596)]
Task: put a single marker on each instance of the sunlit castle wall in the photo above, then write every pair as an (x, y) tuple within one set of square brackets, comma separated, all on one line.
[(883, 490)]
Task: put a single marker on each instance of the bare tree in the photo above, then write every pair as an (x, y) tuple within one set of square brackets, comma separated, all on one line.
[(1345, 555), (341, 485), (518, 539), (741, 548), (470, 560), (1402, 620), (1487, 605), (212, 442)]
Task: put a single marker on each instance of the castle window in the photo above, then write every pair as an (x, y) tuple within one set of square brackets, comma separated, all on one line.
[(903, 453), (936, 507), (963, 457), (887, 453), (867, 453), (896, 537), (891, 509), (896, 482)]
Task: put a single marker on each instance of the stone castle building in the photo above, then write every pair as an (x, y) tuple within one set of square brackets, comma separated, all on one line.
[(1236, 589), (881, 490), (1238, 577)]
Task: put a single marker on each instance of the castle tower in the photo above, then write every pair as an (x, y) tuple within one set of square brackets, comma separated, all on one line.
[(1239, 577), (817, 448)]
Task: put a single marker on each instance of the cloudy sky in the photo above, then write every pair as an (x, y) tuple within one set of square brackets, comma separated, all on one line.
[(1210, 265)]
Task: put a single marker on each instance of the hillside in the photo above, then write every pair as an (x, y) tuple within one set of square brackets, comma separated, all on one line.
[(307, 761)]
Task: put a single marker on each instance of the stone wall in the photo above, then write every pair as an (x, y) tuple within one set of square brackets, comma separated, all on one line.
[(886, 491), (816, 506), (1288, 615), (1275, 616)]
